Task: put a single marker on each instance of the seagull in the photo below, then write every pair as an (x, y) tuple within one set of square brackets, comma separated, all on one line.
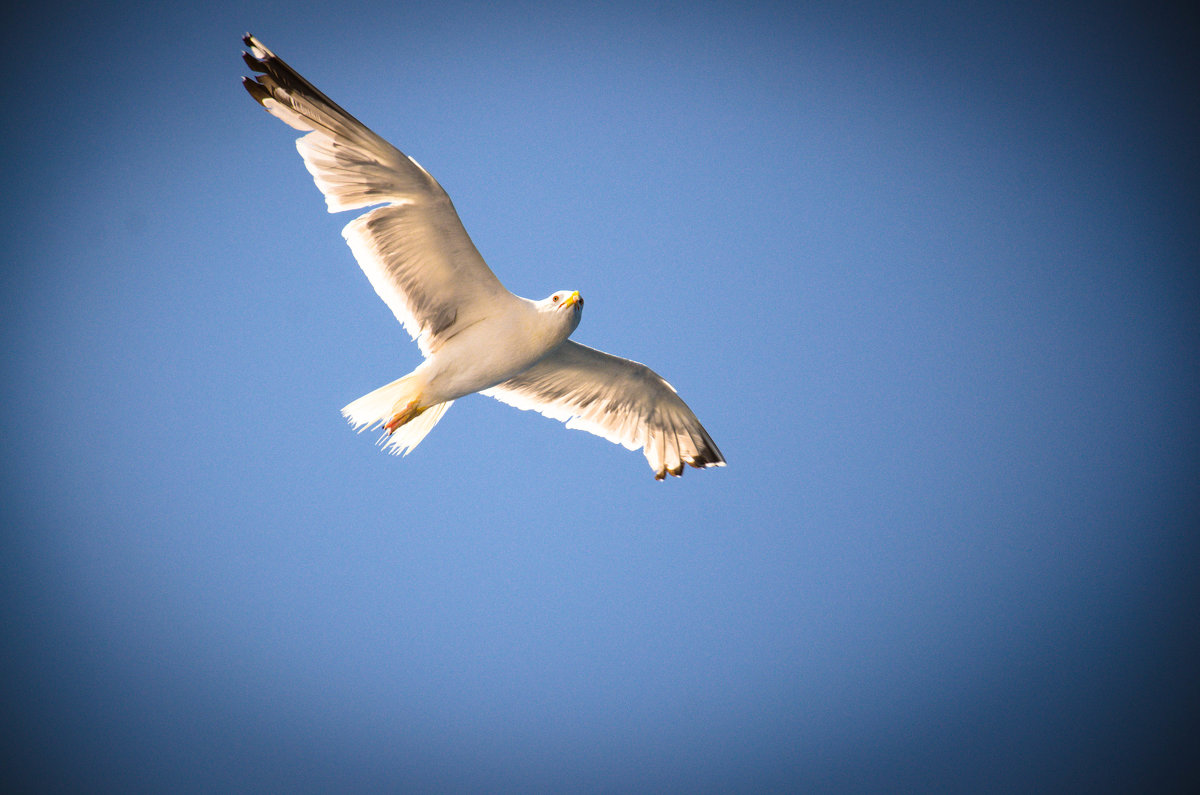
[(474, 335)]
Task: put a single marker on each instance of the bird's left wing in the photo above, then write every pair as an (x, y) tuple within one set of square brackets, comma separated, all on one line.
[(617, 399), (414, 249)]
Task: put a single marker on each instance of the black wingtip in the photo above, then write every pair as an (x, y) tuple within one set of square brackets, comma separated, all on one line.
[(282, 80), (255, 90)]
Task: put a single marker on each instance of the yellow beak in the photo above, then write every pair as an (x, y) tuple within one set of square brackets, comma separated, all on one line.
[(573, 298)]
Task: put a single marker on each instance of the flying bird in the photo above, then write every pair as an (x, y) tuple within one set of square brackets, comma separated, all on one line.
[(474, 334)]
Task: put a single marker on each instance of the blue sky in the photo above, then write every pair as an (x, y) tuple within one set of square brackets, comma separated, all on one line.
[(926, 272)]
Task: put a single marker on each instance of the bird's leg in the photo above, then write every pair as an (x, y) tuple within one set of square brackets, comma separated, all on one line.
[(408, 413)]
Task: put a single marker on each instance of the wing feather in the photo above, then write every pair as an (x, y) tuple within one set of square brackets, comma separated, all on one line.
[(617, 399), (414, 249)]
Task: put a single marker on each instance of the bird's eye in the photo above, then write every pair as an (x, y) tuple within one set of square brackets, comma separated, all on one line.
[(555, 299)]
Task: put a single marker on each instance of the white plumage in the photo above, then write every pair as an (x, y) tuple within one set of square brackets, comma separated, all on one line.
[(475, 335)]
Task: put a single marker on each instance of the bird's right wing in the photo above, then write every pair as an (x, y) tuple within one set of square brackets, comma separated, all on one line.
[(414, 249), (617, 399)]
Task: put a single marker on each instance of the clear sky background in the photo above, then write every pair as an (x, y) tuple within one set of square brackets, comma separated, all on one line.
[(927, 273)]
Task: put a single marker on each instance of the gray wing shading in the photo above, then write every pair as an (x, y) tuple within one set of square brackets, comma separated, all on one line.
[(413, 249), (617, 399)]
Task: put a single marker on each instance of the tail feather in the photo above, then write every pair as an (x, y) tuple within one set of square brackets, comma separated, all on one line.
[(374, 408)]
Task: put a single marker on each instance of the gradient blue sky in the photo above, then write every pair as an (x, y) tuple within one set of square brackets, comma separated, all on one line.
[(927, 272)]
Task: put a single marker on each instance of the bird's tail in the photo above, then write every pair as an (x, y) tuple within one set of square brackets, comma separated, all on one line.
[(374, 408)]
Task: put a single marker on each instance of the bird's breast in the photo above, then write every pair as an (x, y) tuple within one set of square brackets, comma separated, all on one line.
[(484, 354)]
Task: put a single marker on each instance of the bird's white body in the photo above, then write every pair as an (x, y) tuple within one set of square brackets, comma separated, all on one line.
[(519, 340)]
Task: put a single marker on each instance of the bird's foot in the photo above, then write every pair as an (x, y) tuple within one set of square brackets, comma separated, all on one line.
[(407, 414)]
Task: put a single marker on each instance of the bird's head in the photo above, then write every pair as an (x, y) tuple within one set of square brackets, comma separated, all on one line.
[(566, 308)]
